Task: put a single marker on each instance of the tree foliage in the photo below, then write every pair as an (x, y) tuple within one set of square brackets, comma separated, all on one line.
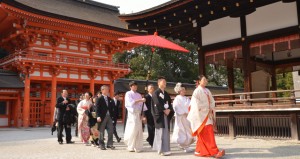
[(285, 82), (182, 67)]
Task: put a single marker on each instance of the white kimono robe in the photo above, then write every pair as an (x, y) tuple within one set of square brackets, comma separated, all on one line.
[(182, 133), (201, 102), (133, 135)]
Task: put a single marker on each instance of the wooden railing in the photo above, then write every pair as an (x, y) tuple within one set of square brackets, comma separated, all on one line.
[(248, 98), (62, 60)]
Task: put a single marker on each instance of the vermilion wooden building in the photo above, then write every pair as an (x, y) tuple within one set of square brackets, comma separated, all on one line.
[(261, 37), (55, 45)]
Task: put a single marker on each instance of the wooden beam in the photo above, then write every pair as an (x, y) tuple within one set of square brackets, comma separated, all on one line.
[(230, 77), (294, 126), (231, 125), (246, 54), (201, 54)]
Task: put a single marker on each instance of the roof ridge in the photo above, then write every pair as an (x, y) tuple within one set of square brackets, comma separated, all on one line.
[(100, 4)]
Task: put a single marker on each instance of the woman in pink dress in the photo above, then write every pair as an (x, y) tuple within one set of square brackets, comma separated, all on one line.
[(83, 128)]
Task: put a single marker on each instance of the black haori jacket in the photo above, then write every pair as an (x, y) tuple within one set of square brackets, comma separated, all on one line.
[(102, 108), (157, 108), (61, 108), (148, 113)]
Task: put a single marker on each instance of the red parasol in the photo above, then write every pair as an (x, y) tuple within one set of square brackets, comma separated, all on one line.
[(154, 40)]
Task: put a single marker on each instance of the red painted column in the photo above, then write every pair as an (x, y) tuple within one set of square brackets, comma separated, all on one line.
[(26, 104), (111, 89), (17, 110), (92, 86), (43, 100), (53, 95)]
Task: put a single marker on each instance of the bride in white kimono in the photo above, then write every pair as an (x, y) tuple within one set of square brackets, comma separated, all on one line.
[(182, 134)]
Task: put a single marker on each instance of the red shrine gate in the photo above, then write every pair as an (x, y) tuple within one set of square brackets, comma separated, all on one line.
[(52, 52)]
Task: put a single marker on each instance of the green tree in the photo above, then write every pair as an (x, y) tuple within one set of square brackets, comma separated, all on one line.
[(285, 82), (175, 66)]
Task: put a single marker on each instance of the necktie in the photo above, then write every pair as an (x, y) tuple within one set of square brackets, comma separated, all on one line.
[(106, 101)]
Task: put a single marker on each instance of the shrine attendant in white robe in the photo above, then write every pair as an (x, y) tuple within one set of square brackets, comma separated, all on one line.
[(133, 135), (182, 133), (202, 117)]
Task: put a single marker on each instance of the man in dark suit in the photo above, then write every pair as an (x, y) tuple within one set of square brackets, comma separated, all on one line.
[(61, 106), (162, 112), (105, 117), (149, 116), (116, 113)]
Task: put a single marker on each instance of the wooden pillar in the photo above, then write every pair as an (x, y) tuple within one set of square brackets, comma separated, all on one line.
[(201, 53), (230, 78), (17, 110), (92, 86), (231, 125), (246, 55), (80, 89), (294, 126), (43, 101), (9, 113), (112, 88), (26, 103), (53, 95), (273, 79)]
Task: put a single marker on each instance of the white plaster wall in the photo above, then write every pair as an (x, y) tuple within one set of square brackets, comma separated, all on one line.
[(84, 77), (296, 80), (3, 121), (221, 30), (272, 17), (62, 75), (46, 74), (75, 76), (35, 73)]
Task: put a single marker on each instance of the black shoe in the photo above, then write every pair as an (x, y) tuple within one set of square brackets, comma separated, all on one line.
[(70, 142), (119, 139), (111, 147), (60, 142), (102, 148)]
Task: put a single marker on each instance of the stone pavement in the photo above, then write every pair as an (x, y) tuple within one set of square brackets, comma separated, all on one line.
[(38, 143)]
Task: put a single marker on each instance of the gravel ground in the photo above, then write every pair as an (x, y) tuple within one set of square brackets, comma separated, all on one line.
[(38, 143)]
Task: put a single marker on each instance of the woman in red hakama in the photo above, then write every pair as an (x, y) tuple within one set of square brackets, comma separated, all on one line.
[(202, 117)]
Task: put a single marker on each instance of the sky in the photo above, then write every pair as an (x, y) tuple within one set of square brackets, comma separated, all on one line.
[(132, 6)]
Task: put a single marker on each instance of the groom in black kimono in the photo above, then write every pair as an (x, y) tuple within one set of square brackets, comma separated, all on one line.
[(162, 112)]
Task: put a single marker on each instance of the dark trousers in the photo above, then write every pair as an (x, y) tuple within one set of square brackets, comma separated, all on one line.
[(151, 132), (115, 129), (107, 124), (60, 128)]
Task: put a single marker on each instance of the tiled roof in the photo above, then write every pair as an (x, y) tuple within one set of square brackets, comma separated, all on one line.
[(10, 79), (85, 10)]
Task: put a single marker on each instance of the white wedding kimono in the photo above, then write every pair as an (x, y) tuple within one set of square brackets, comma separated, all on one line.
[(201, 102), (182, 133), (133, 135)]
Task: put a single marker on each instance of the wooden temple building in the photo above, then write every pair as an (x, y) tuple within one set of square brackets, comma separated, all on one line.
[(261, 37), (51, 45)]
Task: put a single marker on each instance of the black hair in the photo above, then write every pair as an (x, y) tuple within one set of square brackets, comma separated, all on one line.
[(90, 94), (161, 78), (200, 78), (117, 93)]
